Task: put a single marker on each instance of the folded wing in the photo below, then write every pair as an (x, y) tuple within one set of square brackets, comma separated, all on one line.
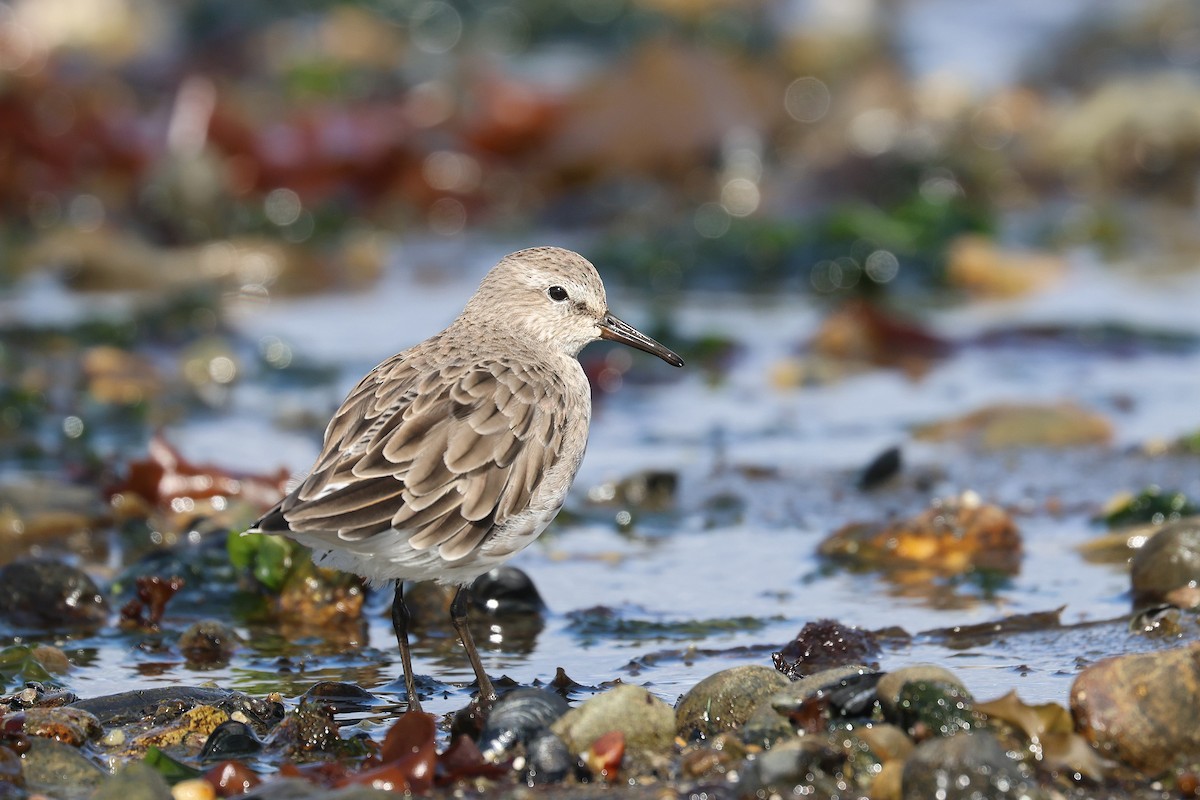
[(443, 456)]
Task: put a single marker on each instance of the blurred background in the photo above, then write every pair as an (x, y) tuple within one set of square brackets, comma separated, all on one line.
[(950, 227)]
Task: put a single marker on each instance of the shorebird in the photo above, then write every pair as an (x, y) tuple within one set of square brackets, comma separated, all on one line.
[(449, 458)]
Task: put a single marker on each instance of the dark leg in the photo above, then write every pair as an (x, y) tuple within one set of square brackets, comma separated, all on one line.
[(458, 616), (400, 625)]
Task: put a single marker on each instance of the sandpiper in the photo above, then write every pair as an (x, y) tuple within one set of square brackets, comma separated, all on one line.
[(450, 457)]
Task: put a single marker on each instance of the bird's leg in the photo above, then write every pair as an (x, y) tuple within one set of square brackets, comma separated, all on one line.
[(400, 619), (458, 617)]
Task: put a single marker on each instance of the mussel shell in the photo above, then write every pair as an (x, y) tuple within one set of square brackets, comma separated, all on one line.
[(548, 759), (517, 718), (230, 739)]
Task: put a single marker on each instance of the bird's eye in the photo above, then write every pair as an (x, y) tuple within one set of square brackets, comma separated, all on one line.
[(557, 293)]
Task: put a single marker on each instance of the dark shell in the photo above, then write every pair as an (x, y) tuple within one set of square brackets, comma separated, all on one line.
[(549, 760), (882, 468), (517, 718), (230, 739)]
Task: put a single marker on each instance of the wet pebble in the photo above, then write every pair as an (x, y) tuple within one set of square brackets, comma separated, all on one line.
[(1141, 709), (954, 535), (232, 778), (193, 789), (725, 700), (721, 756), (647, 723), (506, 591), (48, 594), (60, 770), (68, 725), (800, 767), (1168, 561), (10, 768), (966, 766), (135, 780), (926, 700), (209, 642), (518, 718), (1003, 426), (652, 490), (890, 684), (52, 659), (307, 731)]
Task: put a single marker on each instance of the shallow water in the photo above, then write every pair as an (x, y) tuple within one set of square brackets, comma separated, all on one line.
[(729, 572)]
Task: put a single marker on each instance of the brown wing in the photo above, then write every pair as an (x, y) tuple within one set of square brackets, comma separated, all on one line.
[(444, 455)]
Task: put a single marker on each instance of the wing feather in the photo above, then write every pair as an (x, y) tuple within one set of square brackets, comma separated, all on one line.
[(445, 454)]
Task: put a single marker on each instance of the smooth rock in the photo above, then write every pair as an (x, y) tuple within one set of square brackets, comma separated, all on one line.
[(10, 769), (209, 642), (60, 771), (803, 767), (504, 591), (889, 686), (49, 595), (1141, 709), (647, 723), (162, 704), (68, 725), (135, 780), (966, 766), (725, 700), (1003, 425), (1169, 560)]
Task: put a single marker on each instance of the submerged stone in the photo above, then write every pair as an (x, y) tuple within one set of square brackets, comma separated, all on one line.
[(1169, 561), (966, 766), (209, 641), (64, 724), (136, 780), (800, 767), (60, 770), (46, 594)]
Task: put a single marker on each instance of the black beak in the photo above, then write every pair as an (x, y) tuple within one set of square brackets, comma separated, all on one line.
[(615, 330)]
